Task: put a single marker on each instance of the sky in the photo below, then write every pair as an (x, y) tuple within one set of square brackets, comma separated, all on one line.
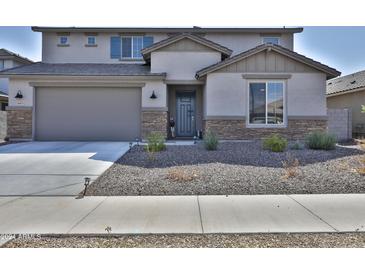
[(340, 47)]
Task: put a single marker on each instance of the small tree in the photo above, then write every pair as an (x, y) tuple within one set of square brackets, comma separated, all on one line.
[(363, 108)]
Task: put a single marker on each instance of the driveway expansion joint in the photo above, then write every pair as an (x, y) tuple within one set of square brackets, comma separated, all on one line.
[(83, 218), (200, 214), (314, 214)]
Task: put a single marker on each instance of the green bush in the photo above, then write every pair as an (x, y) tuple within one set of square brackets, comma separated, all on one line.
[(321, 140), (275, 143), (296, 146), (155, 142), (210, 141)]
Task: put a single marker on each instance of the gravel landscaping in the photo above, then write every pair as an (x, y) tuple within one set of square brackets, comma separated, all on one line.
[(323, 240), (235, 168)]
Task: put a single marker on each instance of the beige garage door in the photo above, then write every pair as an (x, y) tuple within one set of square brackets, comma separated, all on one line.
[(87, 114)]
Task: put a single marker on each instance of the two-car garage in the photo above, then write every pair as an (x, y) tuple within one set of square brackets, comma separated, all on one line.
[(87, 113)]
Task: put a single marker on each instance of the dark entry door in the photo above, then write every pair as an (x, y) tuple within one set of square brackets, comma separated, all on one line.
[(185, 114)]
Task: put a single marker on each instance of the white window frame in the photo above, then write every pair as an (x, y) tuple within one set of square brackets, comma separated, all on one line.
[(87, 40), (275, 37), (121, 47), (60, 40), (266, 125)]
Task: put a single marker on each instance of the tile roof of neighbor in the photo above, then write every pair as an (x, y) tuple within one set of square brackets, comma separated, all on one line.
[(77, 69), (194, 29), (8, 53), (201, 40), (346, 83), (3, 94), (301, 58)]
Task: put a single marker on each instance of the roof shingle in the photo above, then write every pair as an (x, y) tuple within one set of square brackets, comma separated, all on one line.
[(77, 69), (346, 83)]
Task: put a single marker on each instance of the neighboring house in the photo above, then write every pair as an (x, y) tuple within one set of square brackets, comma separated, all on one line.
[(123, 83), (9, 60), (349, 92)]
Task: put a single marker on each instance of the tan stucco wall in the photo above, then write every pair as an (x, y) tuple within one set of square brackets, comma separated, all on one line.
[(182, 65), (352, 101), (226, 94), (26, 90), (77, 52), (160, 91)]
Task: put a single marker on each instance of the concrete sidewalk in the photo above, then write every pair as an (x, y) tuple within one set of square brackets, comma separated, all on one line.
[(183, 214)]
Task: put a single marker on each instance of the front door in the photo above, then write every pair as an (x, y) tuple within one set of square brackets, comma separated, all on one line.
[(185, 114)]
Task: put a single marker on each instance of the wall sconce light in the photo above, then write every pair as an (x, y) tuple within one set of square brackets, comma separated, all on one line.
[(19, 95), (153, 96)]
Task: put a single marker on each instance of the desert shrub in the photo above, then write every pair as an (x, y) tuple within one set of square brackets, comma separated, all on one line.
[(291, 168), (321, 140), (155, 142), (296, 146), (180, 175), (275, 143), (210, 141)]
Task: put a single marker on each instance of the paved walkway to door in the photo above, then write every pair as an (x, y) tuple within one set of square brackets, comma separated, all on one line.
[(183, 214), (54, 168)]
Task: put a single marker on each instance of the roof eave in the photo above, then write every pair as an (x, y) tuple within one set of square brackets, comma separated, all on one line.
[(166, 30), (330, 72)]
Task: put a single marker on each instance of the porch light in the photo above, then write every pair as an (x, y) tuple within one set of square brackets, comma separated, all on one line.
[(153, 96), (137, 141), (130, 145), (19, 95)]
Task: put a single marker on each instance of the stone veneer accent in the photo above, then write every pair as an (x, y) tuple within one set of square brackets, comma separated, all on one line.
[(19, 123), (236, 129), (154, 121)]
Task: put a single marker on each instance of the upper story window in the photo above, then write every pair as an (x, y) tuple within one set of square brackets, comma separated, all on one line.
[(266, 103), (272, 40), (63, 40), (2, 65), (131, 47), (91, 40)]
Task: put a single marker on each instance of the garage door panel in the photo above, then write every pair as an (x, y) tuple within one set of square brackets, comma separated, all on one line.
[(87, 113)]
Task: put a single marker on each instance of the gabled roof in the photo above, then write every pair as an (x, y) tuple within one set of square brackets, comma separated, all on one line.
[(7, 54), (331, 72), (77, 69), (198, 39), (346, 83)]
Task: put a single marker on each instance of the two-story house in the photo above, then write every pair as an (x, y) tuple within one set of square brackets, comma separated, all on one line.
[(122, 83), (9, 60)]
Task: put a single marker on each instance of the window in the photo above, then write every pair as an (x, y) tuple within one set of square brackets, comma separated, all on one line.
[(272, 40), (131, 47), (63, 40), (266, 103), (2, 64), (91, 40)]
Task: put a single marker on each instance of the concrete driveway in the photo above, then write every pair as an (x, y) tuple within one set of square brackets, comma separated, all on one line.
[(54, 168)]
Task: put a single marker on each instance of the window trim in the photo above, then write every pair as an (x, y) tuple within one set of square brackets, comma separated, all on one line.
[(277, 37), (266, 81), (2, 67), (132, 58), (67, 44), (87, 41)]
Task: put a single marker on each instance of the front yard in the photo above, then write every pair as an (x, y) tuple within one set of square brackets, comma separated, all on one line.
[(235, 168)]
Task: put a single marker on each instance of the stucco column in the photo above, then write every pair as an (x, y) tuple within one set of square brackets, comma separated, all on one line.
[(154, 108)]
